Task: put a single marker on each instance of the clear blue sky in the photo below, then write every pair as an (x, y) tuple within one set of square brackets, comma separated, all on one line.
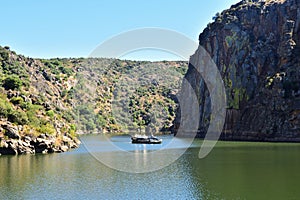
[(70, 28)]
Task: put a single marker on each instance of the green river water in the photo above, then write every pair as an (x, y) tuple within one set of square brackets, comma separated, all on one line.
[(233, 170)]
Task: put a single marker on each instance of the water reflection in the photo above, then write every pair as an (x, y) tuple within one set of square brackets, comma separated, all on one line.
[(231, 171), (139, 158), (76, 174), (249, 171)]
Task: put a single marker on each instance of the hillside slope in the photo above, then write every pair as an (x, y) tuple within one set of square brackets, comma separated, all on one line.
[(45, 103)]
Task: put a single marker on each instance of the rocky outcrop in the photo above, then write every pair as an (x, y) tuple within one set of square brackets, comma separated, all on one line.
[(256, 47), (11, 131), (14, 144)]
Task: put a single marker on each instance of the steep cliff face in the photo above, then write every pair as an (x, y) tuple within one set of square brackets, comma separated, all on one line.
[(256, 47)]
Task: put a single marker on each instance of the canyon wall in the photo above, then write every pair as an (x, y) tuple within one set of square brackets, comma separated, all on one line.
[(255, 45)]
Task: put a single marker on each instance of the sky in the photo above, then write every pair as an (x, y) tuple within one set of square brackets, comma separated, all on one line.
[(70, 28)]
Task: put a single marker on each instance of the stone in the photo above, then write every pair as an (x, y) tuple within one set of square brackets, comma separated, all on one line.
[(8, 151), (27, 139), (66, 139), (45, 151), (11, 131), (64, 148), (43, 136)]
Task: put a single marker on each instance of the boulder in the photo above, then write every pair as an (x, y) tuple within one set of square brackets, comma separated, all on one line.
[(64, 148), (11, 131)]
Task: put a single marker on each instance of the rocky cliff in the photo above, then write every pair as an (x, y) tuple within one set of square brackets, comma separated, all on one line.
[(256, 47)]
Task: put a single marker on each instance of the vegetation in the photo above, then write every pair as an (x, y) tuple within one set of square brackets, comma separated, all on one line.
[(21, 101), (12, 82), (63, 96)]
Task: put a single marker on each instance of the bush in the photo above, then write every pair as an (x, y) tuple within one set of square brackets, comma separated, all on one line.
[(25, 105), (65, 70), (47, 128), (3, 54), (15, 68), (17, 117), (17, 100), (50, 113), (90, 125), (32, 111), (69, 116), (5, 107), (64, 93), (101, 121), (72, 130), (12, 82), (85, 110)]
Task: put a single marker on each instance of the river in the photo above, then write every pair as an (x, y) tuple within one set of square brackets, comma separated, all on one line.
[(233, 170)]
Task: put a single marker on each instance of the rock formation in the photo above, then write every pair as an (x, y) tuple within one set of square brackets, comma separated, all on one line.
[(256, 47)]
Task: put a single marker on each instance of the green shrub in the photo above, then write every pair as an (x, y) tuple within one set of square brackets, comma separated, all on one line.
[(12, 82), (64, 93), (3, 54), (32, 115), (65, 70), (69, 116), (50, 113), (47, 128), (17, 100), (101, 121), (72, 130), (85, 110), (18, 117), (90, 125), (25, 105), (5, 107), (15, 68)]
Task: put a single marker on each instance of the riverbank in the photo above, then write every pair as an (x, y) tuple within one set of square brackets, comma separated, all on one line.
[(12, 143)]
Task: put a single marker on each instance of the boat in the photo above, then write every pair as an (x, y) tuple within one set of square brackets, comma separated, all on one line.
[(144, 139)]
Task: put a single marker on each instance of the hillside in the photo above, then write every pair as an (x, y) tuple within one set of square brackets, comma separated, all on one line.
[(127, 96), (45, 103), (255, 45)]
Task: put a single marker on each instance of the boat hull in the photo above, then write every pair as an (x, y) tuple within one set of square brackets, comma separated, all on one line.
[(145, 140)]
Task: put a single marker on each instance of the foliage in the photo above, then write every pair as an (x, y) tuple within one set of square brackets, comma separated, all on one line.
[(57, 66), (3, 54), (5, 106), (46, 128), (64, 97), (72, 130), (12, 82), (50, 113), (17, 100), (18, 117)]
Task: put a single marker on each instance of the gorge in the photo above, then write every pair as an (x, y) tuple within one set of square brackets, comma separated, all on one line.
[(254, 44)]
